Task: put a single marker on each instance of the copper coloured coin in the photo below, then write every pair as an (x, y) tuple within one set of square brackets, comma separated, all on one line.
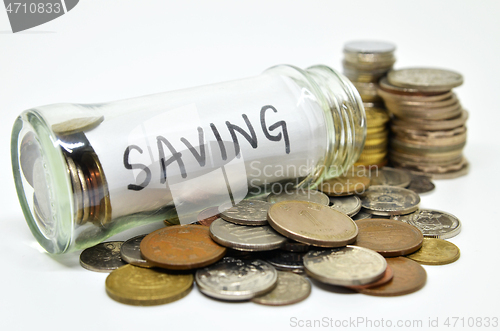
[(409, 277), (387, 277), (208, 215), (388, 237), (181, 247), (312, 223)]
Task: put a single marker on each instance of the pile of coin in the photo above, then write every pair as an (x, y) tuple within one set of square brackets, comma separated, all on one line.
[(365, 63), (272, 252), (428, 121)]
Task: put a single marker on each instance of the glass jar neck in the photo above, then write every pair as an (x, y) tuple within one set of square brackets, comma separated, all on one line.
[(344, 116)]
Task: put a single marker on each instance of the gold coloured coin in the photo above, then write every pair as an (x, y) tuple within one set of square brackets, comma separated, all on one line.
[(312, 223), (77, 125), (436, 252), (376, 117), (147, 287)]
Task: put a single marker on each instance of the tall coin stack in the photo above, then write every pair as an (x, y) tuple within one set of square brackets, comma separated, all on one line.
[(365, 63), (428, 121)]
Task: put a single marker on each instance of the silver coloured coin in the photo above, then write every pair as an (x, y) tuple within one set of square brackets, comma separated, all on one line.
[(348, 205), (300, 195), (361, 215), (103, 257), (390, 177), (286, 261), (290, 289), (389, 200), (247, 212), (425, 79), (350, 265), (369, 46), (131, 252), (235, 280), (245, 238), (421, 184), (433, 223)]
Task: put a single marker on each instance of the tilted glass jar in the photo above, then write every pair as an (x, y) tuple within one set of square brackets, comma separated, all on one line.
[(85, 172)]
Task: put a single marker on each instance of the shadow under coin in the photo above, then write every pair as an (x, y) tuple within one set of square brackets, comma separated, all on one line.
[(332, 288)]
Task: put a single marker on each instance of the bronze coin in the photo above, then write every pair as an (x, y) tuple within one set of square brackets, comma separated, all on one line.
[(387, 276), (208, 215), (388, 237), (312, 223), (409, 277), (345, 185), (181, 247)]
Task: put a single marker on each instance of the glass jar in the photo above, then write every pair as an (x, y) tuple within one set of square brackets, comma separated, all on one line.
[(85, 172)]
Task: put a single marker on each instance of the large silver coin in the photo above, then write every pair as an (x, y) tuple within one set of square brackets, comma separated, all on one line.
[(300, 195), (425, 79), (247, 212), (347, 205), (131, 252), (389, 200), (103, 257), (290, 289), (286, 261), (245, 238), (350, 265), (390, 177), (432, 223), (233, 279)]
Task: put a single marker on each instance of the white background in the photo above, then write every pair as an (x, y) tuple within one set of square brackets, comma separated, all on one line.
[(107, 50)]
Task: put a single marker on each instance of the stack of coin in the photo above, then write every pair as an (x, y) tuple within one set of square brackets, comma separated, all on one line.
[(428, 122), (377, 136), (365, 62)]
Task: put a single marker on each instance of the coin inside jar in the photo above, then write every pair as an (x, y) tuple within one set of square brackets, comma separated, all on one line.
[(181, 247), (388, 237), (312, 223)]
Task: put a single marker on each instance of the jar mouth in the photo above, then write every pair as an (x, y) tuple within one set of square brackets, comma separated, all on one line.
[(344, 115), (42, 184)]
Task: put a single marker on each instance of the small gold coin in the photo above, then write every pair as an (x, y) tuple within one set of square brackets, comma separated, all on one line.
[(436, 252), (312, 223), (147, 287)]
